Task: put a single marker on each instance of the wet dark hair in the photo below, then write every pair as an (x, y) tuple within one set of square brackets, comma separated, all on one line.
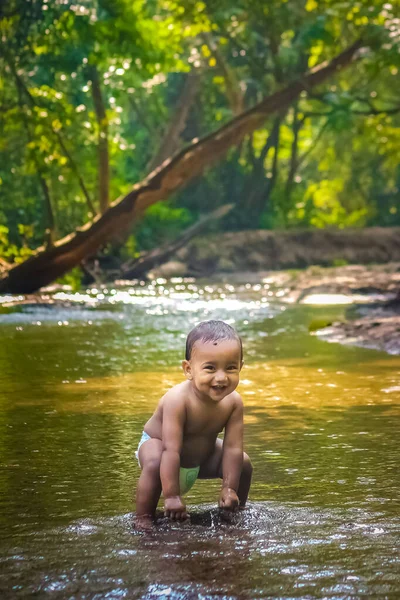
[(211, 331)]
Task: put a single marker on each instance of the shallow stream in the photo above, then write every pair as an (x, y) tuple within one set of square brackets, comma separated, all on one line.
[(78, 378)]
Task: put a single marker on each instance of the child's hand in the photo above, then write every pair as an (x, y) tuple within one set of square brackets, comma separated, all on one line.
[(175, 509), (228, 499)]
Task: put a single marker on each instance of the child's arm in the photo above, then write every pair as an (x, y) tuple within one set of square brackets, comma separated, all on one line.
[(172, 434), (232, 457)]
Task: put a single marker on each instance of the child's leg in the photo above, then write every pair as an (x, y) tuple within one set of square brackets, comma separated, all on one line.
[(149, 485), (245, 480), (212, 469)]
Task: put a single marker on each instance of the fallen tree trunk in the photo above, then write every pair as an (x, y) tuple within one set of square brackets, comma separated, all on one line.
[(290, 249), (158, 256), (47, 265)]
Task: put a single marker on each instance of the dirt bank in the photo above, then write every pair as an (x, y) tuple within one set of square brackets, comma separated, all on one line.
[(378, 330), (374, 292), (260, 250), (359, 283)]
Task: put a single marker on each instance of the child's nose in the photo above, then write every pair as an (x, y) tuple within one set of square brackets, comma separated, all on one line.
[(220, 376)]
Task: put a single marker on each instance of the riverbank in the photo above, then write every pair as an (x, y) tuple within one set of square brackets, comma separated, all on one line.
[(379, 329), (254, 255), (373, 292), (259, 250)]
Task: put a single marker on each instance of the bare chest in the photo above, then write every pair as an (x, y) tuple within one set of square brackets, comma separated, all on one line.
[(200, 422)]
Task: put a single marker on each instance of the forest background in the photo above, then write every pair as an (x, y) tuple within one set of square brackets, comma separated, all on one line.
[(96, 94)]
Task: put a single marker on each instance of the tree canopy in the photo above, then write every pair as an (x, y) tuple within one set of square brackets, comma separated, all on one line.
[(96, 94)]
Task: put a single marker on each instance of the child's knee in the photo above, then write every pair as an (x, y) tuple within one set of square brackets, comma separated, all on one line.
[(152, 466)]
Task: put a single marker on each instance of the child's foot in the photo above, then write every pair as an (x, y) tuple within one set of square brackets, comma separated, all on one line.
[(143, 522)]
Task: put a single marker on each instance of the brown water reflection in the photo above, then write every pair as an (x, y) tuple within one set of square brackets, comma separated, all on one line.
[(322, 427)]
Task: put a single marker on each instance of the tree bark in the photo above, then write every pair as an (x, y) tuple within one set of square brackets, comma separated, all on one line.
[(171, 139), (297, 124), (141, 115), (234, 92), (268, 187), (311, 148), (256, 194), (74, 169), (45, 266)]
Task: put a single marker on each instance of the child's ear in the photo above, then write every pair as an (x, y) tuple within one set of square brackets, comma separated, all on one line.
[(187, 369), (241, 365)]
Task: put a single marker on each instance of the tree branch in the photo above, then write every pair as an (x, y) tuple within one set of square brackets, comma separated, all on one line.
[(139, 267), (335, 108), (135, 105), (170, 142), (297, 124), (43, 267), (312, 146), (233, 91)]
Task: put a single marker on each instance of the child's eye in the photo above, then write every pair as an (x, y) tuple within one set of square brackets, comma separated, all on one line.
[(232, 368), (209, 368)]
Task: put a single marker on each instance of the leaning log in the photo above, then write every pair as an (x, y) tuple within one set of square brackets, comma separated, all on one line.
[(47, 265), (149, 260)]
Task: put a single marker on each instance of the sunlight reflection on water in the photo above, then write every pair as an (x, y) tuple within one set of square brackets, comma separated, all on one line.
[(321, 427)]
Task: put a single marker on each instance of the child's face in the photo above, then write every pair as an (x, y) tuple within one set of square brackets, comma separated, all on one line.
[(214, 368)]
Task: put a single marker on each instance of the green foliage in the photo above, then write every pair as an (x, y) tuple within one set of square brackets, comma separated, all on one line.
[(13, 252), (333, 163), (161, 224), (339, 262), (130, 249), (72, 279)]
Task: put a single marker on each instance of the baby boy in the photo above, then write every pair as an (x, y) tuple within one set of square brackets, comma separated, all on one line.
[(180, 441)]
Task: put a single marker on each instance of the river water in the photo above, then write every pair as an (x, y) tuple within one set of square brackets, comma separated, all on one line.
[(79, 377)]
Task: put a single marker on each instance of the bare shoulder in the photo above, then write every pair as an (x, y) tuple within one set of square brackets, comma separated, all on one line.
[(175, 398), (235, 401)]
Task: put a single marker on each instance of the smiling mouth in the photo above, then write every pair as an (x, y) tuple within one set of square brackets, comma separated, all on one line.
[(218, 388)]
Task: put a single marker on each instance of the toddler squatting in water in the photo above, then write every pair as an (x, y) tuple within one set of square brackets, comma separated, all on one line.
[(179, 442)]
